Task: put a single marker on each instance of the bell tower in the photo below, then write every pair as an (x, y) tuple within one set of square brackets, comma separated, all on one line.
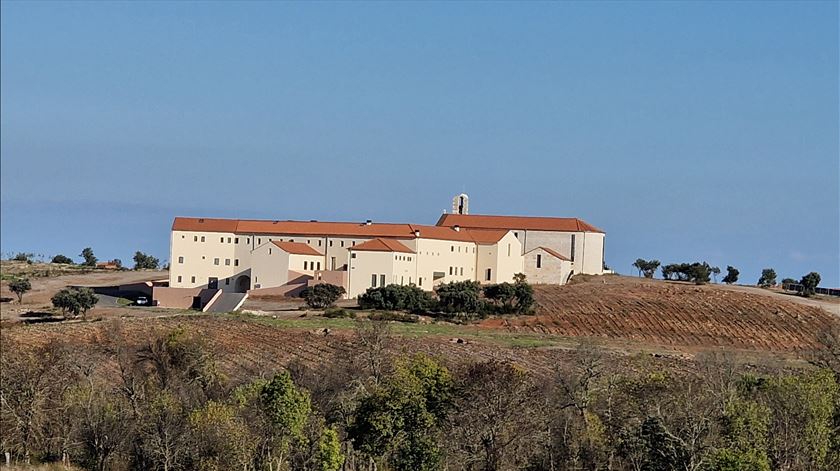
[(461, 204)]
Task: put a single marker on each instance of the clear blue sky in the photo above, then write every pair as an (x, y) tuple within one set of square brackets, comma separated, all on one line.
[(688, 131)]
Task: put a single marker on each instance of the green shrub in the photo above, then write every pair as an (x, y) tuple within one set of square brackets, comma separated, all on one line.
[(394, 316), (459, 296), (321, 295), (396, 297), (508, 298), (339, 313), (62, 259)]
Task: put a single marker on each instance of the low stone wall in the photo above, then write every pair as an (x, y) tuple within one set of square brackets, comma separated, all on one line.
[(287, 290), (181, 298)]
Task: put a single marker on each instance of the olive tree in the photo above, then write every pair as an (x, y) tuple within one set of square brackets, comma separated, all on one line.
[(20, 286)]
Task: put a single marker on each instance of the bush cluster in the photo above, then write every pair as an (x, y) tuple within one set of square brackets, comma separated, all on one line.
[(322, 295), (339, 313), (75, 301), (697, 272), (457, 300), (394, 316), (396, 297)]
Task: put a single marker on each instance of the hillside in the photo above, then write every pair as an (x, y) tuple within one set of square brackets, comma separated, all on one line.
[(625, 315), (674, 314)]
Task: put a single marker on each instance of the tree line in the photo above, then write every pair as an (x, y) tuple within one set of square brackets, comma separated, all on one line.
[(141, 260), (165, 404), (702, 272)]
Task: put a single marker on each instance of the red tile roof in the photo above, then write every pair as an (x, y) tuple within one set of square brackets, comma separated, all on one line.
[(337, 229), (204, 224), (478, 221), (296, 248), (552, 253), (382, 245)]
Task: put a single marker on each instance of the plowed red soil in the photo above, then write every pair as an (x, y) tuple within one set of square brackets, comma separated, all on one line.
[(671, 313)]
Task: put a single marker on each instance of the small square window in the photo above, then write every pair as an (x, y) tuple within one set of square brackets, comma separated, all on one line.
[(179, 278), (305, 265), (192, 279), (202, 238), (353, 255), (236, 262), (180, 259), (342, 243), (227, 281), (331, 243), (236, 240), (319, 266), (222, 240), (195, 238), (228, 240), (227, 262), (215, 261)]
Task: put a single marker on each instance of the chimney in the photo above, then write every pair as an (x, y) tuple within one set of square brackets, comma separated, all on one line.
[(368, 222), (417, 233), (456, 227)]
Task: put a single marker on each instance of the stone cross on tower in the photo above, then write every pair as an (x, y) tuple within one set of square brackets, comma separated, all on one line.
[(461, 204)]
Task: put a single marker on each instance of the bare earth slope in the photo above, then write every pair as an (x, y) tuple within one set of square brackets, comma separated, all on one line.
[(672, 314)]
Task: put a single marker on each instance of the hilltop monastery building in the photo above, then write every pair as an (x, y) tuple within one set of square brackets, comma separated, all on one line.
[(283, 257)]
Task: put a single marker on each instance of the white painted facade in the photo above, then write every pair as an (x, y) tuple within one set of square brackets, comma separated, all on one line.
[(239, 255)]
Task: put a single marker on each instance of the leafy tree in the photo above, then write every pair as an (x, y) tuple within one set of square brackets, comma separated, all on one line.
[(715, 271), (459, 296), (329, 456), (745, 427), (23, 257), (117, 262), (801, 430), (646, 267), (768, 278), (75, 301), (62, 259), (90, 259), (731, 275), (524, 295), (144, 262), (322, 295), (400, 419), (788, 281), (809, 283), (20, 286), (396, 297), (287, 409), (697, 272), (502, 294)]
